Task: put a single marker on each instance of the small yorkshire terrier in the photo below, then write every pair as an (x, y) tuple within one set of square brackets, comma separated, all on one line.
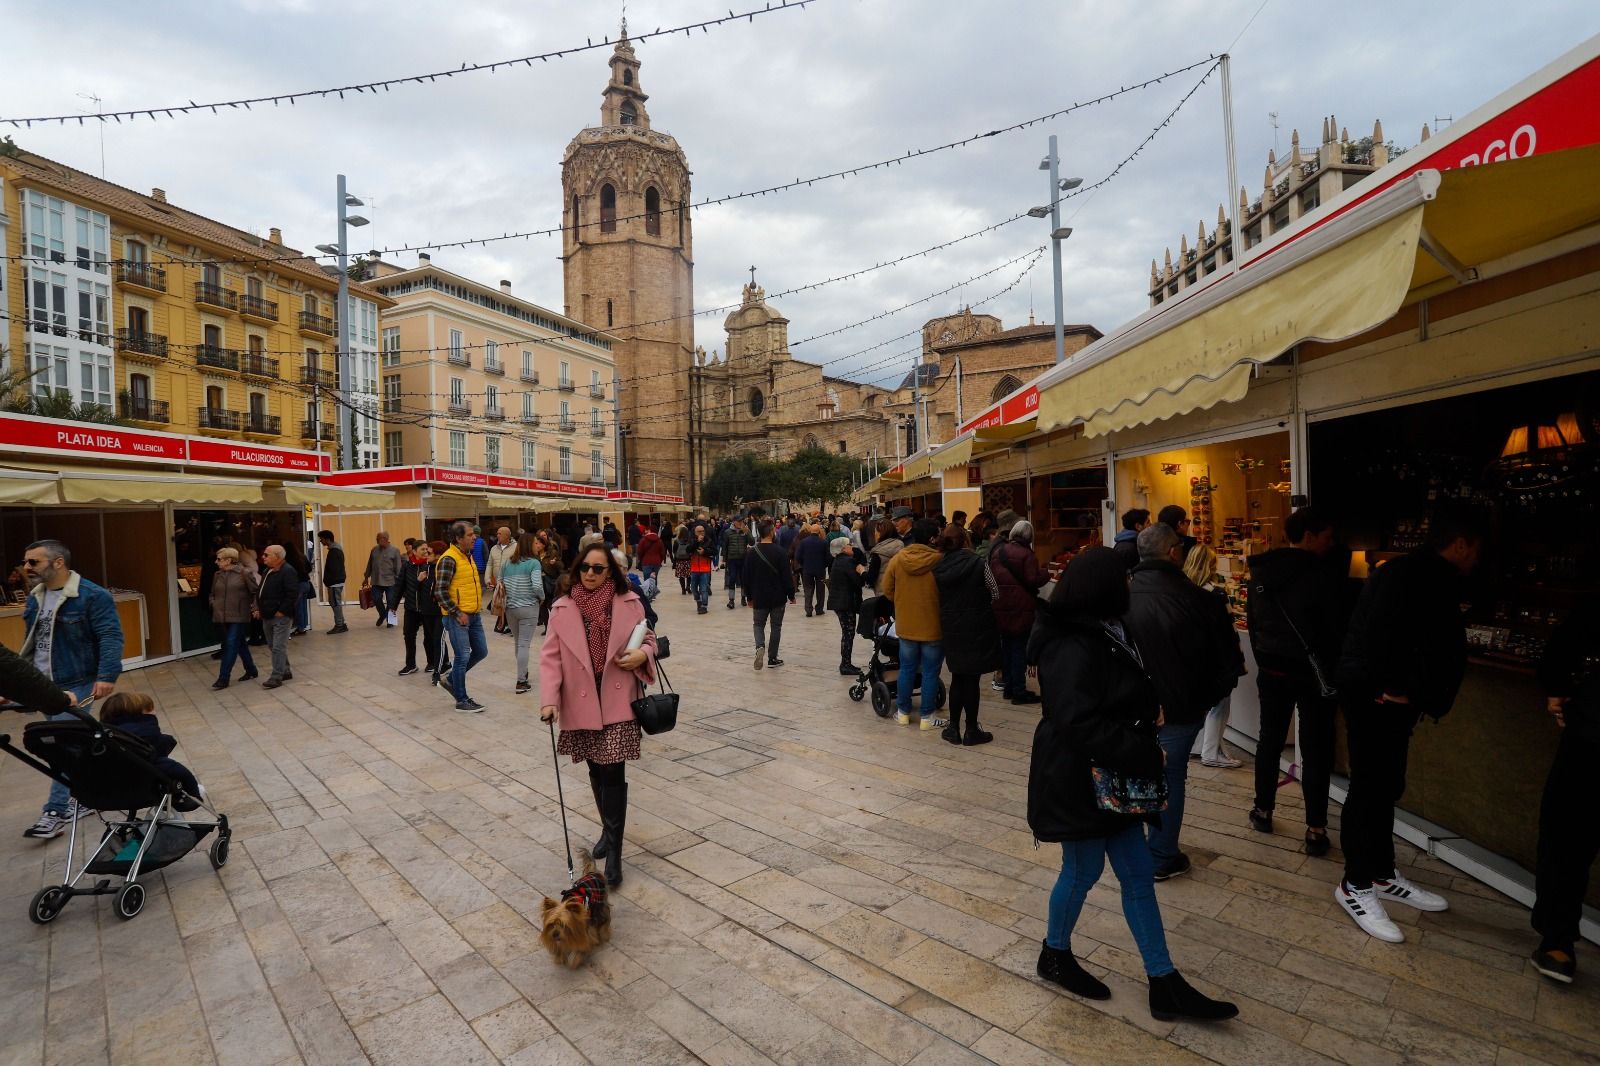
[(580, 921)]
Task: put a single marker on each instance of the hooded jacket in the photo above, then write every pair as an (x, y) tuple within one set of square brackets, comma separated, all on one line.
[(1017, 573), (1294, 589), (1407, 637), (651, 551), (967, 592), (1126, 545), (881, 553), (1098, 709), (908, 582), (1191, 650)]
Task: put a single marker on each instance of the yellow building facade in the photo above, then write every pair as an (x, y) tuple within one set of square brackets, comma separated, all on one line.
[(173, 321)]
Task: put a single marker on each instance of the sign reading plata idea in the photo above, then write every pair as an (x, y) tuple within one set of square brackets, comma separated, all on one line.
[(31, 435)]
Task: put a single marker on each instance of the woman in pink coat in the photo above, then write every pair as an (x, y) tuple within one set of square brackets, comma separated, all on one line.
[(588, 679)]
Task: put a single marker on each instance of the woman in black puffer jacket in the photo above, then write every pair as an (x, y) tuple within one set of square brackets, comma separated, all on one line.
[(1099, 711), (967, 592)]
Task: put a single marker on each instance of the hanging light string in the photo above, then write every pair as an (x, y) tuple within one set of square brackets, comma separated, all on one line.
[(362, 88), (305, 259)]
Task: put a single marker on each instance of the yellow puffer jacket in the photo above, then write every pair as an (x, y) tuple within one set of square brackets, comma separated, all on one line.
[(466, 588)]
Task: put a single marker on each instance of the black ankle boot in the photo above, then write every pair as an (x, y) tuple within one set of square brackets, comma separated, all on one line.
[(614, 817), (1059, 967), (1171, 997), (599, 849)]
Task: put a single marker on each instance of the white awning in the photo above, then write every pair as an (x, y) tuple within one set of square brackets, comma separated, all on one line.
[(335, 496)]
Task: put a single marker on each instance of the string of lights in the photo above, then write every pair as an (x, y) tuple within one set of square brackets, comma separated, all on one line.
[(386, 84), (305, 259)]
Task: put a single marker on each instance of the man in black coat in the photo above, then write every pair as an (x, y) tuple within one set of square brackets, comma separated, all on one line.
[(275, 604), (811, 552), (769, 582), (1126, 542), (1191, 652), (333, 578), (1404, 657), (845, 577), (1296, 614)]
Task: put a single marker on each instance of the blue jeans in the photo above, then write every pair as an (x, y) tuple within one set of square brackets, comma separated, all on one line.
[(700, 585), (1177, 741), (730, 576), (234, 649), (924, 657), (302, 609), (468, 648), (1082, 862), (1014, 663), (60, 795)]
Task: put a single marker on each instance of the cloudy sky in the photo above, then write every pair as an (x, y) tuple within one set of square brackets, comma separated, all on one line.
[(789, 95)]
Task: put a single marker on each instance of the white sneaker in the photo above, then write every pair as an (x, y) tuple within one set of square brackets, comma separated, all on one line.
[(76, 810), (393, 618), (1366, 909), (997, 683), (1222, 762), (49, 826), (761, 658), (1400, 890), (902, 718), (934, 723)]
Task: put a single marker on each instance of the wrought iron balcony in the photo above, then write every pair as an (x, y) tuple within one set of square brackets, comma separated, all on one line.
[(215, 296), (258, 366), (262, 425), (141, 275), (459, 357), (143, 409), (530, 376), (311, 322), (258, 307), (567, 425), (566, 386), (220, 358), (460, 408), (494, 367), (311, 430), (530, 420), (315, 375), (218, 418), (596, 430), (141, 345), (597, 392), (497, 414)]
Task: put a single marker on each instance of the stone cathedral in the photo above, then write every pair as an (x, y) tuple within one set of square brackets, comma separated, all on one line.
[(628, 267)]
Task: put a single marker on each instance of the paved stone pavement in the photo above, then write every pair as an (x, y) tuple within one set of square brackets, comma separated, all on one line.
[(806, 884)]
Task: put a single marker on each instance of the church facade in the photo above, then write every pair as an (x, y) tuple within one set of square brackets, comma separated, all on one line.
[(628, 268)]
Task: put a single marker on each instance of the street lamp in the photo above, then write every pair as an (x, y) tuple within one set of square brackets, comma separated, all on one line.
[(1058, 233), (345, 362)]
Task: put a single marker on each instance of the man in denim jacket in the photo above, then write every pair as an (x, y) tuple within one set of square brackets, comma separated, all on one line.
[(75, 639)]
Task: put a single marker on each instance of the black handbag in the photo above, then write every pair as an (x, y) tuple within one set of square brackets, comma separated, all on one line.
[(656, 712), (663, 647)]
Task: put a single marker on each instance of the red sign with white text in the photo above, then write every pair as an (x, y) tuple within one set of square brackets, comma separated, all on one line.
[(1019, 408), (392, 475), (257, 458), (86, 438), (646, 497)]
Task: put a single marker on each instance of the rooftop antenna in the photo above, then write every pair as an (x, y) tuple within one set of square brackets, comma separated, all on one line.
[(100, 112), (1441, 123), (1272, 117)]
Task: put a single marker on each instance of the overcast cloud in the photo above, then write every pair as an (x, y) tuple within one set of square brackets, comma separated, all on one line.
[(838, 84)]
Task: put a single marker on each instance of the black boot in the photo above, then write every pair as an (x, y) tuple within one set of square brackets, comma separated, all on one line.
[(1171, 997), (599, 849), (614, 817), (1059, 967)]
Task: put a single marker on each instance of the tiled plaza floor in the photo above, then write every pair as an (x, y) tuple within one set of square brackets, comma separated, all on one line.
[(806, 884)]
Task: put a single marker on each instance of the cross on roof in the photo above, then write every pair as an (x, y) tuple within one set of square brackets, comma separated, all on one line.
[(752, 277)]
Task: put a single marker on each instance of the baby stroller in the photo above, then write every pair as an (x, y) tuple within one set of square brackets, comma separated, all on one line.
[(875, 624), (107, 769)]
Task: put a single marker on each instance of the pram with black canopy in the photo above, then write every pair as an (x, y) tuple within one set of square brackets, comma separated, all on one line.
[(107, 769), (881, 675)]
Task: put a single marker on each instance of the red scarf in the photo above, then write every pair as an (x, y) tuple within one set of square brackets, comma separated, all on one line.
[(595, 609)]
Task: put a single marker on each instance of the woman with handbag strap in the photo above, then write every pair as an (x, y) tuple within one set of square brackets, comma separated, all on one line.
[(1099, 720), (588, 678)]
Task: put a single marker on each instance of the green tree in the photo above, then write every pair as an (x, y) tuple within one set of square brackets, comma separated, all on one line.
[(738, 479), (817, 475)]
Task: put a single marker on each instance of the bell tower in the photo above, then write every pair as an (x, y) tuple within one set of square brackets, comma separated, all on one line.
[(628, 268)]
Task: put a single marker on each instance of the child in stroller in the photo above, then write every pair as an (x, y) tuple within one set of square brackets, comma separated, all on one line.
[(134, 712), (882, 673)]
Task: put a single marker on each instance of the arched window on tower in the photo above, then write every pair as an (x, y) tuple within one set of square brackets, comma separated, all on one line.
[(577, 220), (608, 209), (652, 212), (630, 115), (627, 76), (1007, 386)]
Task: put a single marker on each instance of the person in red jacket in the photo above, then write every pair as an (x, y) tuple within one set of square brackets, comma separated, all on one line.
[(1019, 576), (650, 554)]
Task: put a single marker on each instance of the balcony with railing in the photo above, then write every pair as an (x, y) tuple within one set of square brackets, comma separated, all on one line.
[(567, 425), (530, 419), (137, 345), (495, 414), (218, 418), (258, 307), (313, 430), (261, 425), (143, 409), (460, 408), (315, 375), (597, 392), (213, 295), (459, 357), (596, 429), (494, 366), (311, 322), (565, 386), (209, 355), (146, 276), (254, 365), (530, 376)]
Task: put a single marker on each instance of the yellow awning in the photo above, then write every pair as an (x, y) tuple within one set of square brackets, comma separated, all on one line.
[(336, 496), (1206, 357), (176, 488), (918, 466), (29, 490), (1006, 433), (956, 453)]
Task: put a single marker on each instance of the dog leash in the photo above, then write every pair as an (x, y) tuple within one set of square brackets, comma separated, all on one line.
[(562, 802)]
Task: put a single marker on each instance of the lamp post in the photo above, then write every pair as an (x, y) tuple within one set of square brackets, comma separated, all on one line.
[(344, 358), (1058, 233)]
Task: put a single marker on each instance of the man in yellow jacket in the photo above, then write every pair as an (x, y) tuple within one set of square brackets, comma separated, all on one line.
[(458, 588), (908, 582)]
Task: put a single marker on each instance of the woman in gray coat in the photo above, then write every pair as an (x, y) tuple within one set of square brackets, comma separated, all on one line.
[(233, 592)]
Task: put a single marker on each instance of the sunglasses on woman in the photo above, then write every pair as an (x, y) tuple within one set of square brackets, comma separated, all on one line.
[(592, 568)]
